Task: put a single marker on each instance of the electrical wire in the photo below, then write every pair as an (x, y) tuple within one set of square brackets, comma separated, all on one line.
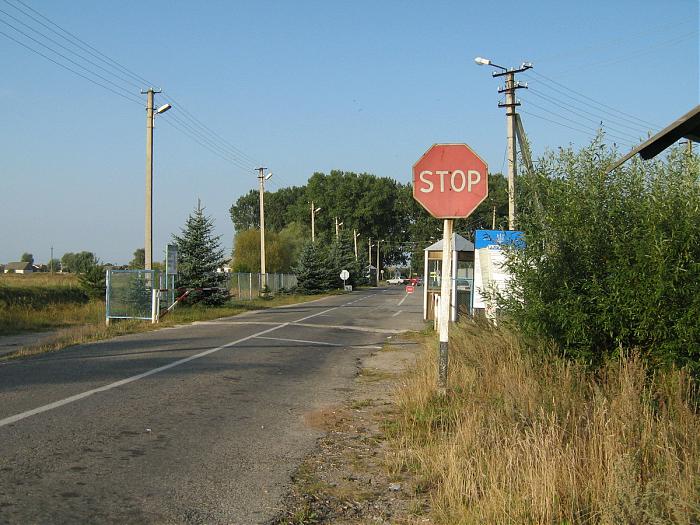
[(131, 99), (569, 91), (588, 133), (638, 128), (187, 123), (627, 139)]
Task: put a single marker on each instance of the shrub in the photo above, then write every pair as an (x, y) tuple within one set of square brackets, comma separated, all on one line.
[(612, 261)]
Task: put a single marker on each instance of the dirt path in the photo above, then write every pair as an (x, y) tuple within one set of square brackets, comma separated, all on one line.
[(347, 480)]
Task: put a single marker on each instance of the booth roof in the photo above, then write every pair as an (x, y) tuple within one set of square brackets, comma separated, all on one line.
[(459, 243)]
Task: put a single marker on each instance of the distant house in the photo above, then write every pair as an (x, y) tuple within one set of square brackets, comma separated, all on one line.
[(19, 267)]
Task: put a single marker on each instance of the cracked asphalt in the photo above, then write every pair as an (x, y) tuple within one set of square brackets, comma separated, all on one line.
[(201, 423)]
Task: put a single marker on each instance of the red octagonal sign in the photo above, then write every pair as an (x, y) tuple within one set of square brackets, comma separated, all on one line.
[(450, 181)]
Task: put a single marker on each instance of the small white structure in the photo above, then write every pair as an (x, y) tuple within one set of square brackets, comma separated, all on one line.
[(463, 280)]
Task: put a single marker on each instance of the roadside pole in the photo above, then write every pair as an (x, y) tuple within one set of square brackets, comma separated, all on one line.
[(449, 181), (444, 314)]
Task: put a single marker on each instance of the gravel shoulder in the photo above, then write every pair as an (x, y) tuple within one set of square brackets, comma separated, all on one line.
[(347, 479)]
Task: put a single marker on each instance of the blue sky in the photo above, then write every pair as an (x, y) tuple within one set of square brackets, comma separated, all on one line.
[(304, 86)]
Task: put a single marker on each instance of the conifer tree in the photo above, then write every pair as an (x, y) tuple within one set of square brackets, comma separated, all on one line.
[(199, 255), (310, 270), (340, 257)]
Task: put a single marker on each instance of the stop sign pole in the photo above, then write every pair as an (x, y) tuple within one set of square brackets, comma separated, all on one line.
[(449, 181)]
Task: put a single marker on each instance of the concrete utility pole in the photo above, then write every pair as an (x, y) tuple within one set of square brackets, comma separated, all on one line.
[(510, 104), (314, 210), (369, 256), (378, 241), (150, 115), (337, 227), (148, 246), (262, 178), (355, 235)]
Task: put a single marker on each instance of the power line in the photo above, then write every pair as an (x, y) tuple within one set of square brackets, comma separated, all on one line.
[(637, 128), (67, 48), (187, 123), (569, 91), (76, 41), (564, 125), (626, 138), (638, 53), (70, 69), (117, 86)]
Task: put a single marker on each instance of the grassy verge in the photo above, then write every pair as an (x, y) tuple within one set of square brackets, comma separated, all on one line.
[(77, 324), (526, 437)]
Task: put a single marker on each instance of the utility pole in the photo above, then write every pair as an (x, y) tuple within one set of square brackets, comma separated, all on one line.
[(493, 218), (510, 104), (337, 227), (354, 238), (148, 246), (51, 260), (314, 210), (262, 178), (369, 256), (150, 114), (378, 241)]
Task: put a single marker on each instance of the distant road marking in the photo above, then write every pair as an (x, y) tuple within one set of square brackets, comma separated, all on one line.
[(83, 395), (331, 309), (355, 328), (397, 313), (402, 300), (299, 341)]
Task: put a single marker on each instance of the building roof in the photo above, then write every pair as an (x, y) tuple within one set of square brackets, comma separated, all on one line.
[(459, 243), (687, 126), (18, 266)]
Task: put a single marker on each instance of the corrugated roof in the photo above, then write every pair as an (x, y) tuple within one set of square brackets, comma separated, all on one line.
[(459, 243), (687, 126)]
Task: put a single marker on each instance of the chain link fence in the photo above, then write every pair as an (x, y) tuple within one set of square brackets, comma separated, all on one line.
[(129, 293), (247, 286)]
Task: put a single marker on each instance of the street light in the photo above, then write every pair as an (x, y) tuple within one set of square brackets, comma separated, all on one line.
[(150, 117), (262, 178), (314, 211), (511, 123)]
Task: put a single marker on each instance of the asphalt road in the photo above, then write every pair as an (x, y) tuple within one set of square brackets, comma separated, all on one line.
[(196, 424)]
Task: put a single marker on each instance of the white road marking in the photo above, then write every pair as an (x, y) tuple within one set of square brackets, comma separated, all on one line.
[(83, 395), (397, 313), (317, 314), (298, 341), (355, 328), (402, 300)]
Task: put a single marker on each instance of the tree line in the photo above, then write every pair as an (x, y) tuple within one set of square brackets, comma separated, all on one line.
[(377, 208)]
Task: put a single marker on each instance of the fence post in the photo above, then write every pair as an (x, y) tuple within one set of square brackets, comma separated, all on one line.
[(154, 305), (108, 282)]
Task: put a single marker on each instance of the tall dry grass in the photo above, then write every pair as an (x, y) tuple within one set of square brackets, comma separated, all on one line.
[(524, 436)]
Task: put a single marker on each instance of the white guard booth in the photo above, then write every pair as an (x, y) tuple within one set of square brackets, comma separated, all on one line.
[(462, 282)]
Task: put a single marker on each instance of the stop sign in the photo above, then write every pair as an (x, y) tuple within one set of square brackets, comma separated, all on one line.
[(450, 181)]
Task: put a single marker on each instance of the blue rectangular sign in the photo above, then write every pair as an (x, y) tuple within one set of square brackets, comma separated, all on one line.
[(486, 238)]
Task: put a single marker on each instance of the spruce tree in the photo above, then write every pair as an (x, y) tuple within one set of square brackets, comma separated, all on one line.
[(198, 257), (341, 256), (310, 270)]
